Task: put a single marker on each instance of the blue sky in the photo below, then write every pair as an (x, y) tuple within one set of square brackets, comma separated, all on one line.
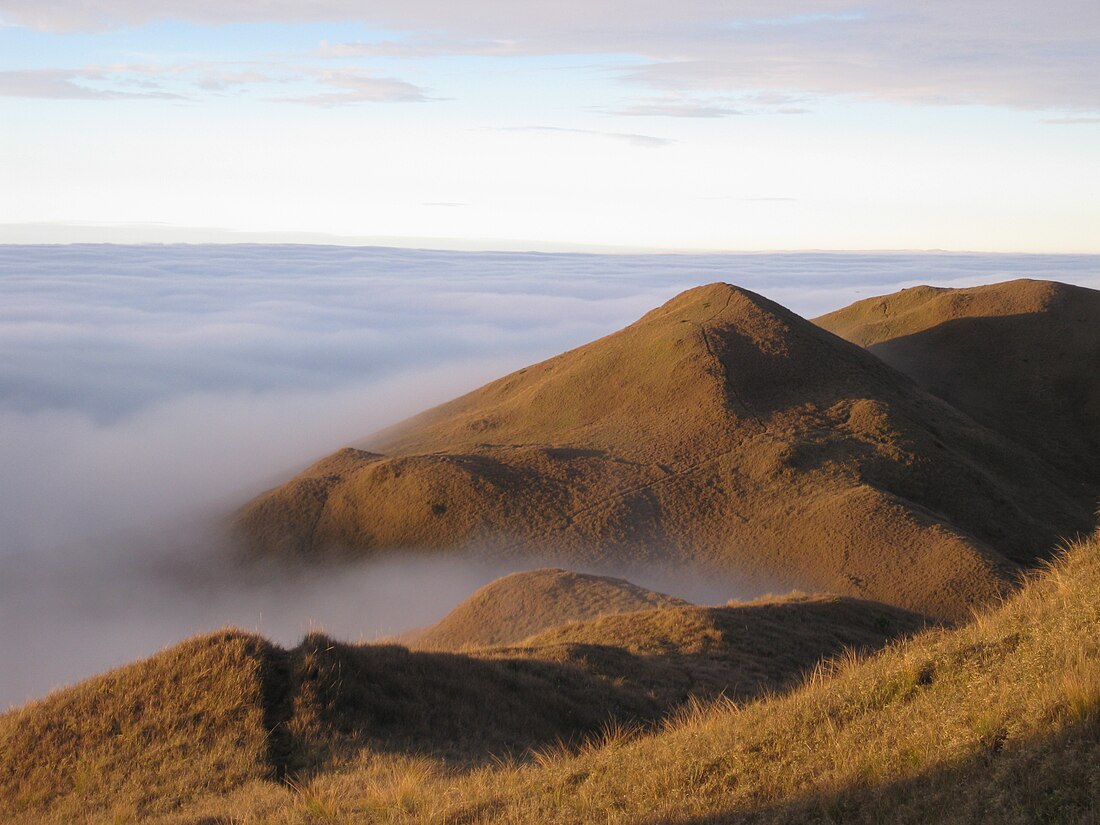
[(801, 124)]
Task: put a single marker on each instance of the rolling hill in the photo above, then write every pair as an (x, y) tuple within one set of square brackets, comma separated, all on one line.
[(523, 604), (1021, 357), (720, 430), (995, 721), (228, 711)]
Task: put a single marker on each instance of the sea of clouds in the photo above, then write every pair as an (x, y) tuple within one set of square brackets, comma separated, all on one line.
[(148, 391)]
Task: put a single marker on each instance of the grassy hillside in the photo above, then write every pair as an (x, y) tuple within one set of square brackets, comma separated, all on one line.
[(522, 604), (1022, 357), (740, 651), (224, 713), (720, 430), (146, 737), (997, 721)]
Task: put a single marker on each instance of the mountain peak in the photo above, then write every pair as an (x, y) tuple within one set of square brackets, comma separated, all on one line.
[(720, 430)]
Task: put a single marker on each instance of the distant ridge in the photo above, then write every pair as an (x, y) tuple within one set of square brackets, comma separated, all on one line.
[(720, 430), (522, 604), (1021, 357)]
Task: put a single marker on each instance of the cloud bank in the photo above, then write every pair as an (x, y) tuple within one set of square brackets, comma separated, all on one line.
[(146, 391)]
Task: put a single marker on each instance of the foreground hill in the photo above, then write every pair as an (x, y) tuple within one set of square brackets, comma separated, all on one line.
[(994, 722), (523, 604), (1022, 357), (740, 651), (720, 430), (231, 711)]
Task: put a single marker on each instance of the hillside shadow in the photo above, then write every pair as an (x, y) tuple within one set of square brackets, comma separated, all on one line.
[(1029, 377), (325, 700)]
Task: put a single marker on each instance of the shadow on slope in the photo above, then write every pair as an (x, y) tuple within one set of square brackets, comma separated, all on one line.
[(720, 430), (677, 653), (1021, 357), (219, 711)]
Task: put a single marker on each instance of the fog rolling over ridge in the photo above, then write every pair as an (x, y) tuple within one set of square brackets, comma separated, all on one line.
[(145, 392)]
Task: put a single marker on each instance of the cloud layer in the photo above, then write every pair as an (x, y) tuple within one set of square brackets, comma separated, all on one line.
[(147, 391), (1019, 53)]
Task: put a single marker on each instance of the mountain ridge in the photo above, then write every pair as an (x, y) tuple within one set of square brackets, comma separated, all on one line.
[(719, 430)]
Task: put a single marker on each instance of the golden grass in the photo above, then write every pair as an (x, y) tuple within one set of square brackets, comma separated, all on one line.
[(1020, 357), (522, 604), (145, 738), (220, 720), (997, 721), (720, 430)]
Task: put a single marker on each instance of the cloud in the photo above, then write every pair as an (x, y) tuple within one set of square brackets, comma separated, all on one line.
[(672, 109), (147, 391), (684, 105), (61, 84), (118, 81), (358, 86), (647, 141), (420, 48), (1072, 121), (1016, 53)]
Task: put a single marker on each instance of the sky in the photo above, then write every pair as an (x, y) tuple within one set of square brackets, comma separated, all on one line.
[(497, 124)]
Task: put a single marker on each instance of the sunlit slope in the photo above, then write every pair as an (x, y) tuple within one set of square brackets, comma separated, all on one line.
[(1022, 357), (217, 712), (522, 604), (190, 721), (720, 429), (994, 722), (223, 713)]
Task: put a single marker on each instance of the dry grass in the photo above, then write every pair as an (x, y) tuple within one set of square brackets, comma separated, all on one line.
[(520, 605), (720, 430), (145, 738), (1022, 357), (997, 721), (218, 722)]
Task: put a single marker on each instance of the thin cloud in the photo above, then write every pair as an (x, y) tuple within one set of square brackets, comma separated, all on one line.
[(61, 84), (676, 110), (352, 86), (648, 141), (1072, 121), (748, 200), (420, 48), (759, 103)]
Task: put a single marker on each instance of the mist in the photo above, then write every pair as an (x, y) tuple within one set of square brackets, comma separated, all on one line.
[(146, 392)]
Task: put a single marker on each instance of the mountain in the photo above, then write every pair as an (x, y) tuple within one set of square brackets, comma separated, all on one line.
[(720, 430), (522, 604), (1021, 357)]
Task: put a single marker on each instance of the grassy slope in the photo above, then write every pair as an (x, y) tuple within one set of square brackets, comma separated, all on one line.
[(720, 430), (741, 651), (997, 721), (228, 712), (519, 605), (141, 738), (1022, 357)]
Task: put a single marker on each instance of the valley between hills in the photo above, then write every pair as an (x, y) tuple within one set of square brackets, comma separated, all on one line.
[(916, 476)]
